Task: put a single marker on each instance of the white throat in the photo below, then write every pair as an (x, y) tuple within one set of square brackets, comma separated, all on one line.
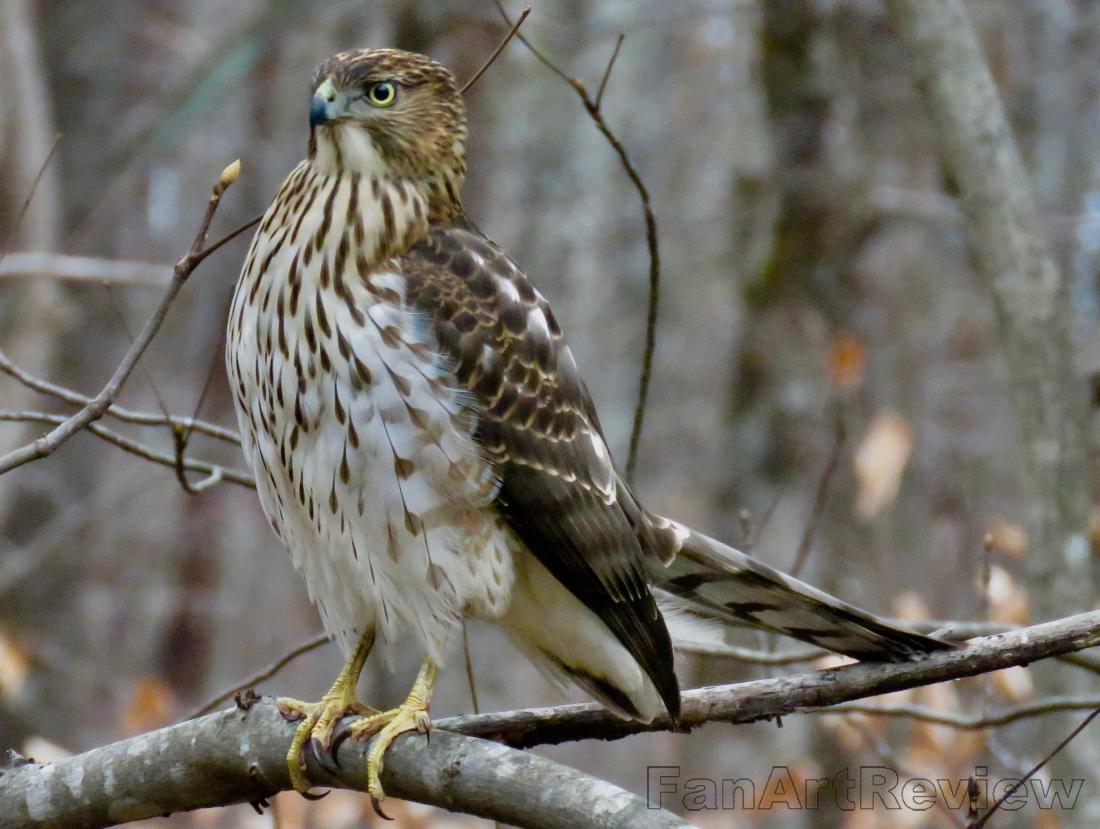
[(343, 147)]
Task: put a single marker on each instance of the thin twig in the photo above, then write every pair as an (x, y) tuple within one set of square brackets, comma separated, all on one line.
[(496, 52), (117, 412), (592, 107), (471, 679), (268, 672), (607, 72), (14, 228), (227, 238), (1012, 789), (95, 409), (821, 497), (182, 434), (214, 472), (748, 655), (995, 719)]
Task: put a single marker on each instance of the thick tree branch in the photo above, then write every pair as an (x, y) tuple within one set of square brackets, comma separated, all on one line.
[(238, 755), (235, 755)]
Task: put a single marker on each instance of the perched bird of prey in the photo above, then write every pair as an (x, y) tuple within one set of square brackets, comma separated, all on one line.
[(424, 445)]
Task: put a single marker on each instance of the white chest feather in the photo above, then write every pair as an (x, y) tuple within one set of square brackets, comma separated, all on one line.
[(361, 447)]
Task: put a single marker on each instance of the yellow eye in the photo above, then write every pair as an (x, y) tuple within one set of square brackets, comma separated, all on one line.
[(382, 94)]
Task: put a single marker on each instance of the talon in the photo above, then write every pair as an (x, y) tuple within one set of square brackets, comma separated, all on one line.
[(315, 797), (412, 715), (319, 719), (325, 759), (338, 740), (376, 804)]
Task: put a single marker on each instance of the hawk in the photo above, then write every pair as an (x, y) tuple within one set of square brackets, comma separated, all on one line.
[(424, 445)]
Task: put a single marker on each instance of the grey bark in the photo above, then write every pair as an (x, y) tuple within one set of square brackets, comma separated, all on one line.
[(238, 755)]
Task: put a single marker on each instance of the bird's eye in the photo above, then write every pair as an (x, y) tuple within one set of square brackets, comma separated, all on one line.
[(382, 94)]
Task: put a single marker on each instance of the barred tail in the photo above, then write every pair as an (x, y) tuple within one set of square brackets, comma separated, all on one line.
[(718, 582)]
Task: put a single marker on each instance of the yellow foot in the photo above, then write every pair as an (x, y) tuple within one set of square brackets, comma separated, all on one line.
[(388, 725), (412, 715), (319, 721)]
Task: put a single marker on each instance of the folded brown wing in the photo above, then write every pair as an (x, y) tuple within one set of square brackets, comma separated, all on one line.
[(559, 491)]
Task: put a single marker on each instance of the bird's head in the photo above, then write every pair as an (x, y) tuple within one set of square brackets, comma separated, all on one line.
[(389, 113)]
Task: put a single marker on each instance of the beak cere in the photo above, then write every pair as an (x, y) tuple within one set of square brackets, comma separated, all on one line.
[(318, 111)]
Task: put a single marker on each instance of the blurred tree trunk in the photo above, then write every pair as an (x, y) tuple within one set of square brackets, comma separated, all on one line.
[(34, 319), (32, 314), (1031, 297)]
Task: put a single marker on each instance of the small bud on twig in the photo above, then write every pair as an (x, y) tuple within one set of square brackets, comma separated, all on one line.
[(229, 174)]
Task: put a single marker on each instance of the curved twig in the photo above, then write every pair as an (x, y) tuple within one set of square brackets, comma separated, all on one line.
[(98, 406), (593, 107), (138, 449)]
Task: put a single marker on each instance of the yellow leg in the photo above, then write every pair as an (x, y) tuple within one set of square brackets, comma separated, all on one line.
[(319, 718), (411, 715)]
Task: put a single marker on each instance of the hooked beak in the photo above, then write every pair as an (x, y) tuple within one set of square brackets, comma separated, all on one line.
[(326, 104), (318, 111)]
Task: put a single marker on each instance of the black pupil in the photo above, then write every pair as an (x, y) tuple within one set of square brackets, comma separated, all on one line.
[(383, 92)]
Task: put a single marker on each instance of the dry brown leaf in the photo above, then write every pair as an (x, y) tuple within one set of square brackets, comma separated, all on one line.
[(847, 361), (910, 606), (1048, 819), (1015, 684), (15, 663), (880, 462), (1009, 538), (1009, 603), (42, 750), (151, 705)]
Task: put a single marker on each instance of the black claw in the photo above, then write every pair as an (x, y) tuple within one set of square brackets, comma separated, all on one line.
[(259, 805), (338, 741), (311, 796), (376, 804), (325, 759)]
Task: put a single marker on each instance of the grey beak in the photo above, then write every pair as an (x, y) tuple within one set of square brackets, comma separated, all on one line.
[(318, 111)]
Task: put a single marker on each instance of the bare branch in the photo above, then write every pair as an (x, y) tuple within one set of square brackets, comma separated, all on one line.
[(607, 71), (592, 107), (821, 496), (1058, 748), (118, 412), (84, 269), (496, 52), (238, 755), (767, 698), (99, 405), (1036, 708), (265, 674), (748, 655), (214, 472), (30, 197)]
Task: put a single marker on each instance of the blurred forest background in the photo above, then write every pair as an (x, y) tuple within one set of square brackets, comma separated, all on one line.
[(816, 272)]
